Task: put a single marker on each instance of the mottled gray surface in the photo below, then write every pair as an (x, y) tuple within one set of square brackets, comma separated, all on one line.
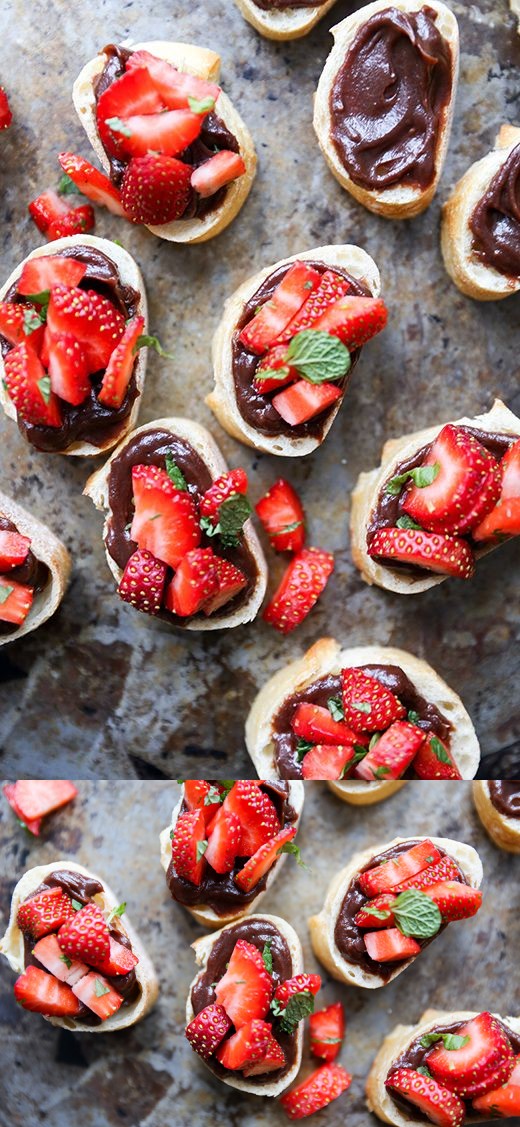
[(148, 1076), (102, 690)]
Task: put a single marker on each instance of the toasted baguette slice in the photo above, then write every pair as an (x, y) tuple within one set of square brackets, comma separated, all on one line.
[(203, 913), (205, 64), (394, 1045), (397, 202), (52, 552), (223, 399), (284, 23), (358, 793), (207, 449), (203, 948), (499, 420), (322, 926), (326, 657), (130, 275), (12, 946), (504, 831), (515, 8), (472, 276)]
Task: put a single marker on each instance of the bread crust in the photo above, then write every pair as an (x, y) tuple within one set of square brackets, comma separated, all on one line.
[(205, 64), (515, 8), (322, 926), (205, 445), (397, 202), (223, 401), (498, 420), (325, 657), (472, 276), (291, 23), (202, 948), (359, 793), (130, 275), (379, 1100), (203, 914), (503, 831), (52, 552), (12, 947)]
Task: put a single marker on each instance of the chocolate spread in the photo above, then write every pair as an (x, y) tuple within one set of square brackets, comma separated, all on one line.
[(213, 137), (150, 448), (349, 938), (389, 99), (219, 890), (257, 409), (392, 677), (90, 421), (257, 932), (282, 5), (32, 573), (495, 222), (505, 797)]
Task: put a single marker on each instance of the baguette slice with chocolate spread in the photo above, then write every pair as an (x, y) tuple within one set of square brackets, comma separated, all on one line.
[(502, 829), (286, 21), (47, 550)]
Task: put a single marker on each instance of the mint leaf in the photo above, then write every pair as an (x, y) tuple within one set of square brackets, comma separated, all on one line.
[(290, 847), (45, 387), (421, 477), (146, 341), (361, 705), (267, 956), (4, 595), (67, 187), (204, 105), (76, 905), (42, 299), (413, 717), (213, 797), (381, 772), (65, 959), (450, 1041), (233, 513), (31, 321), (335, 707), (174, 473), (318, 356), (119, 911), (416, 915), (374, 740), (406, 522), (380, 913), (118, 126), (424, 1071), (302, 747), (289, 527), (299, 1006), (100, 989), (208, 527), (439, 751), (272, 374), (201, 849), (360, 753)]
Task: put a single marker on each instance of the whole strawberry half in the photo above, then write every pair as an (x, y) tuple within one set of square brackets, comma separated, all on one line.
[(207, 1030), (156, 189), (301, 586), (85, 936), (246, 989), (368, 706)]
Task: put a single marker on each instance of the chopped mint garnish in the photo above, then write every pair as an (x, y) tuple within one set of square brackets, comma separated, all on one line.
[(335, 707), (233, 513), (213, 797), (42, 299), (201, 849), (379, 913), (175, 474), (299, 1006), (424, 1071), (439, 751), (198, 105), (267, 956), (208, 527), (318, 356), (413, 717), (65, 959), (76, 905), (421, 477), (374, 740), (416, 915), (67, 187), (450, 1041), (290, 847), (406, 522), (5, 591), (100, 989), (146, 341), (45, 387), (119, 911), (302, 747), (290, 527), (381, 772), (31, 321), (118, 126), (361, 705)]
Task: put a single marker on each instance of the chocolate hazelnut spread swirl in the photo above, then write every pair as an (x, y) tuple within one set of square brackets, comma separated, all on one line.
[(505, 797), (32, 573), (495, 222), (389, 98)]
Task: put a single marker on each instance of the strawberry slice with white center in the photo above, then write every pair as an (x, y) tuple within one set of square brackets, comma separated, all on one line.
[(215, 173), (434, 760), (224, 487), (231, 580), (68, 369), (263, 860), (391, 874), (15, 601), (156, 189), (442, 870), (14, 549), (510, 469), (393, 753), (274, 371), (301, 586), (143, 581), (454, 900), (303, 401), (91, 182), (487, 499), (41, 993), (504, 519), (224, 841), (437, 1103), (44, 913), (325, 761), (121, 365), (444, 555), (331, 287), (42, 273), (246, 989), (168, 133), (189, 845), (256, 813), (207, 1030), (92, 319), (194, 582), (320, 1088), (367, 704), (273, 1059), (21, 323), (174, 86), (33, 824), (120, 959), (298, 984), (29, 387), (166, 519), (285, 301), (38, 797), (327, 1029), (483, 1048), (281, 513), (246, 1047), (355, 320), (314, 723), (461, 466), (390, 945), (98, 995), (503, 1101), (133, 93), (85, 935), (50, 955)]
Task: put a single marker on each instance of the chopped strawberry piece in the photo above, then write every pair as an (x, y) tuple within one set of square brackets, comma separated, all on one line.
[(285, 301), (486, 500), (445, 869), (320, 1088), (393, 752), (303, 401), (301, 586), (299, 984), (168, 133), (194, 582), (28, 386), (68, 369), (15, 600), (166, 520), (14, 549), (174, 86), (188, 846), (314, 723), (207, 1030), (256, 813), (224, 487), (143, 581), (438, 1104), (367, 704), (390, 945), (503, 1101), (75, 222), (6, 116), (133, 93), (88, 316), (392, 873), (216, 172), (503, 520), (246, 989), (230, 582), (462, 466), (38, 797), (510, 471), (198, 795), (326, 762), (85, 935), (327, 1031), (263, 860), (156, 189), (331, 287), (454, 900), (120, 959), (44, 913), (353, 319), (48, 208), (45, 271), (273, 371), (485, 1050), (281, 513), (50, 955), (34, 824), (378, 912), (21, 323), (91, 182), (121, 365), (434, 760), (41, 993), (96, 993), (224, 841), (445, 555), (246, 1047), (273, 1059)]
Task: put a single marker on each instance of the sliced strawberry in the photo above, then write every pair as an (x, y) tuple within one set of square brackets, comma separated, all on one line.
[(143, 581), (156, 189), (326, 762), (246, 989), (50, 955), (281, 513), (299, 984), (91, 182), (285, 301), (194, 582), (224, 487), (485, 1049), (85, 935), (216, 172), (327, 1029), (442, 870), (301, 586), (434, 760), (195, 793), (367, 704), (121, 365), (28, 386), (38, 797), (188, 846), (6, 116), (500, 1076), (120, 959), (273, 1059), (314, 723), (14, 549), (224, 841), (503, 520), (77, 221), (133, 93), (246, 1047), (390, 945), (390, 874), (377, 913), (353, 319), (42, 273), (454, 900), (44, 913), (174, 86), (96, 993), (168, 133), (393, 752), (263, 860), (47, 208), (91, 318), (256, 813), (320, 1088), (68, 369), (331, 287), (485, 502), (207, 1030), (303, 401), (34, 824), (438, 1104), (41, 993), (274, 361), (21, 323), (166, 519), (230, 582), (510, 471), (463, 467), (445, 555), (503, 1101), (15, 600)]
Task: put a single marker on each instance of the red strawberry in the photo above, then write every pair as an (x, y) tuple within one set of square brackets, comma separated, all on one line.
[(503, 520), (303, 401), (168, 133), (166, 520), (6, 116), (216, 172), (121, 365), (275, 360), (327, 1031), (510, 466), (230, 582), (47, 208), (503, 1101), (256, 813), (36, 798), (75, 222), (41, 993), (14, 549), (156, 189), (390, 945), (85, 935), (367, 704), (224, 841), (486, 1048), (445, 555), (327, 762), (174, 86), (285, 301), (91, 318), (133, 93), (377, 913), (16, 323), (50, 955), (463, 467), (263, 860), (142, 582), (68, 369), (393, 752), (15, 601), (499, 1077), (438, 1104), (188, 846), (301, 586), (29, 387), (331, 287), (194, 582), (96, 993), (44, 913), (225, 486), (281, 513), (320, 1088), (454, 900), (91, 182), (207, 1030), (392, 874), (299, 984), (47, 270), (273, 1059), (434, 760), (246, 1047), (442, 870), (199, 795), (353, 319), (314, 723), (485, 502), (34, 825), (120, 959), (245, 990)]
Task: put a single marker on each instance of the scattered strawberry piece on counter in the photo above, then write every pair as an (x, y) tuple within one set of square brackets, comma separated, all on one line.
[(246, 1047), (49, 207), (320, 1088), (44, 913), (303, 583), (246, 989), (15, 601), (34, 799), (264, 858), (390, 756), (120, 366), (281, 513), (327, 1029), (96, 993), (41, 993), (85, 935), (6, 116), (31, 824), (367, 704), (91, 182), (331, 287), (215, 173), (445, 555), (303, 401), (434, 760), (286, 300), (207, 1030), (189, 844), (77, 221), (14, 549), (143, 581), (327, 762), (224, 842), (390, 874), (438, 1104)]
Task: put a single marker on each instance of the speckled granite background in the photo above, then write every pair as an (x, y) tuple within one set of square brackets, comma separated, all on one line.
[(148, 1076), (101, 690)]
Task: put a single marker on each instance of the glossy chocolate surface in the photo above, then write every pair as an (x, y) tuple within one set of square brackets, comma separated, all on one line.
[(505, 797), (495, 222)]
